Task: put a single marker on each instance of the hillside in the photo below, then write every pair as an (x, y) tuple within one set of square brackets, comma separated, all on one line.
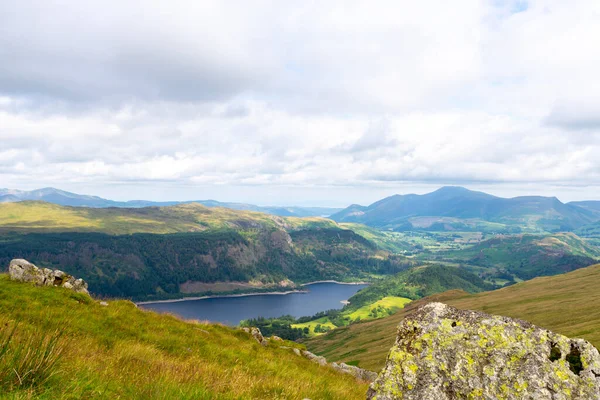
[(119, 351), (566, 304), (151, 266), (64, 198), (35, 216), (419, 282), (526, 256), (457, 208)]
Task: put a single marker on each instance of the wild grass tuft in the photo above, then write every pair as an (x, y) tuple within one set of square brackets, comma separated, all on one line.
[(28, 359)]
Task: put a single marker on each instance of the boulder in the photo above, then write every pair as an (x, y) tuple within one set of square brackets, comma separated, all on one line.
[(443, 353), (256, 334), (23, 271)]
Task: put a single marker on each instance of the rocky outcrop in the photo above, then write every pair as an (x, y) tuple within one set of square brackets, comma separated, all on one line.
[(23, 271), (442, 353), (257, 335), (358, 373)]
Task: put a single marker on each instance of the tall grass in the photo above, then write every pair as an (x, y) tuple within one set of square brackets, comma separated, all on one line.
[(28, 359)]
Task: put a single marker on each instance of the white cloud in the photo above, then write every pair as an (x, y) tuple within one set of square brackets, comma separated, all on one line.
[(276, 94)]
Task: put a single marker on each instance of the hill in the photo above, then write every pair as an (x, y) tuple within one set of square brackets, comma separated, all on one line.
[(525, 256), (457, 208), (419, 282), (64, 198), (188, 249), (67, 345), (36, 216), (566, 304)]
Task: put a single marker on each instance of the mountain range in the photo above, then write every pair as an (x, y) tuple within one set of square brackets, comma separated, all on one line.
[(64, 198), (457, 208)]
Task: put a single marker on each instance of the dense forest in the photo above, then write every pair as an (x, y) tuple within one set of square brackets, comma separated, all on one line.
[(148, 266)]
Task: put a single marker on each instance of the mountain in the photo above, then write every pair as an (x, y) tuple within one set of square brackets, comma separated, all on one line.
[(57, 344), (457, 208), (566, 304), (63, 198)]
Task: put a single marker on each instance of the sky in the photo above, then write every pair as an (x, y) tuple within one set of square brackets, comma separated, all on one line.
[(300, 103)]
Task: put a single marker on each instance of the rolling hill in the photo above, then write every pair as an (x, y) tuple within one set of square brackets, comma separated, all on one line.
[(57, 344), (64, 198), (526, 256), (457, 208), (567, 304)]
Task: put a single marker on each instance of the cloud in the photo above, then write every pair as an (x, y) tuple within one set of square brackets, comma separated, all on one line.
[(330, 94)]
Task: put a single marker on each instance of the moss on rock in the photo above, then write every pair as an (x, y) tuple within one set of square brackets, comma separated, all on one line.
[(443, 353)]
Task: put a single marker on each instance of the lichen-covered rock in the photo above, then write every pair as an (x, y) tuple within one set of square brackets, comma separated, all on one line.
[(442, 353), (23, 271), (256, 334)]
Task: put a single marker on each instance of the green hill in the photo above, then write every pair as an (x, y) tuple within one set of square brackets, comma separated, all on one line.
[(68, 346), (526, 256), (457, 208), (419, 282), (567, 304), (165, 252), (36, 216)]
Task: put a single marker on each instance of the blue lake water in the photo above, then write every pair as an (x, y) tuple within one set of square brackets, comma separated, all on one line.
[(231, 310)]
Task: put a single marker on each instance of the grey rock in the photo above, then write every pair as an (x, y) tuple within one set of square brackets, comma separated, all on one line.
[(358, 373), (23, 271), (443, 353), (314, 358), (257, 335)]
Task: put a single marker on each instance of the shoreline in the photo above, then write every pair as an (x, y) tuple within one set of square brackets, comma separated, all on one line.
[(217, 296), (339, 283)]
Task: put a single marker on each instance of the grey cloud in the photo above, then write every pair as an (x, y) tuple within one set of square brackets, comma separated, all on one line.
[(575, 116)]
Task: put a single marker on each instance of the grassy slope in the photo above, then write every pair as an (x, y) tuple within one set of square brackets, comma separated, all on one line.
[(35, 216), (119, 351), (527, 256), (566, 304), (384, 307)]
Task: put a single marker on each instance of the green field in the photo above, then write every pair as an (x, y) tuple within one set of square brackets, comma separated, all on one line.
[(387, 305), (379, 309), (567, 304), (68, 346)]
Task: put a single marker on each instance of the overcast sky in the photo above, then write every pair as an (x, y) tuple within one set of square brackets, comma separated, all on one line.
[(300, 102)]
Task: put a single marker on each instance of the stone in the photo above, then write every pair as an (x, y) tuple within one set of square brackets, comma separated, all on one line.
[(276, 338), (257, 335), (23, 271), (443, 353), (358, 373), (314, 358), (103, 304)]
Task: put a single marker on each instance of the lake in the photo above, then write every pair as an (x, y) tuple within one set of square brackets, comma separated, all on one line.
[(231, 310)]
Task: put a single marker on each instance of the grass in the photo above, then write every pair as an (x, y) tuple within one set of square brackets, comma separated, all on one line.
[(566, 304), (388, 305), (28, 359), (36, 216), (119, 351), (379, 309), (323, 322)]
